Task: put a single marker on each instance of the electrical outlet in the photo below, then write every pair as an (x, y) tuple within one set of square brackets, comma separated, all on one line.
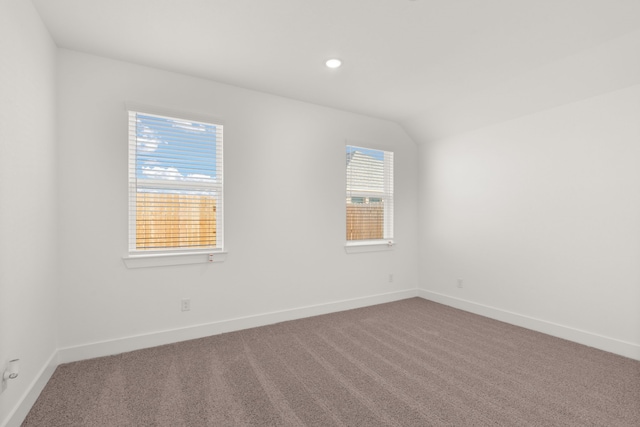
[(185, 304), (390, 277), (460, 284)]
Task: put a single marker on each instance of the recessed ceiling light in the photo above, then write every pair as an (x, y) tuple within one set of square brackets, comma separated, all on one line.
[(333, 63)]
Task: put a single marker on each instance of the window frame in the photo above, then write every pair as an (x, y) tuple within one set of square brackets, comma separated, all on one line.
[(386, 196), (172, 255)]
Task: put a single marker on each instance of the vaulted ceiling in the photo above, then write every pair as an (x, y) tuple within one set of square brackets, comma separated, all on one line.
[(437, 67)]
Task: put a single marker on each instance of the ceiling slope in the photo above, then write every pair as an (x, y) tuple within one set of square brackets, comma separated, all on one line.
[(427, 64)]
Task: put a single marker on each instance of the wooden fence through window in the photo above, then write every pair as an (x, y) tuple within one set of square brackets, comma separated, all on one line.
[(175, 220), (365, 221)]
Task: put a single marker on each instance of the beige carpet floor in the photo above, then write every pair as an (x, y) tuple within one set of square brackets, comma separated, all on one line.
[(406, 363)]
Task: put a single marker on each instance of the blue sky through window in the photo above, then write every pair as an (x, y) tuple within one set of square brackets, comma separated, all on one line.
[(175, 150), (376, 154)]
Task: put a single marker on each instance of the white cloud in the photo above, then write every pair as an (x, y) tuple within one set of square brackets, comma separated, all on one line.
[(199, 177), (166, 173), (171, 173), (146, 141), (189, 127)]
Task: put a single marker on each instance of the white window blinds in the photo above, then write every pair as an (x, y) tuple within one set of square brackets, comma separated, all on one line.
[(175, 184), (369, 194)]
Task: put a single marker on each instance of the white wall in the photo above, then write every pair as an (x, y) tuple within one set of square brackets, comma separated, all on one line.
[(284, 206), (600, 69), (540, 218), (28, 223)]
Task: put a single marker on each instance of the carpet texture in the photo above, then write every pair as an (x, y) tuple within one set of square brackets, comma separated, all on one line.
[(407, 363)]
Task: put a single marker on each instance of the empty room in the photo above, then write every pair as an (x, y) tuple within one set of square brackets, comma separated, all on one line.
[(319, 213)]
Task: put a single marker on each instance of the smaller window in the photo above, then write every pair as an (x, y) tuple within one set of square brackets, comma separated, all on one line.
[(369, 195)]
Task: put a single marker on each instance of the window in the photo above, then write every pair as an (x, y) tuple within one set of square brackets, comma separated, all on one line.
[(369, 195), (175, 185)]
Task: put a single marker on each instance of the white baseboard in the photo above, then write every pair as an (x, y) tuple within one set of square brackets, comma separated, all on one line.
[(121, 345), (20, 411), (612, 345)]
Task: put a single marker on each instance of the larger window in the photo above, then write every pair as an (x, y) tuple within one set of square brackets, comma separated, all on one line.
[(369, 195), (175, 184)]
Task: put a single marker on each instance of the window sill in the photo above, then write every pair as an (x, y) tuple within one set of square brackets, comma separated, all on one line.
[(161, 260), (368, 246)]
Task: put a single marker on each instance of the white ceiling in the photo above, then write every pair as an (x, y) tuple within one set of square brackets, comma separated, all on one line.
[(410, 61)]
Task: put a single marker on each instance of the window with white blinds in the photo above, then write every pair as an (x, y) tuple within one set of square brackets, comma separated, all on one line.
[(369, 195), (175, 184)]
